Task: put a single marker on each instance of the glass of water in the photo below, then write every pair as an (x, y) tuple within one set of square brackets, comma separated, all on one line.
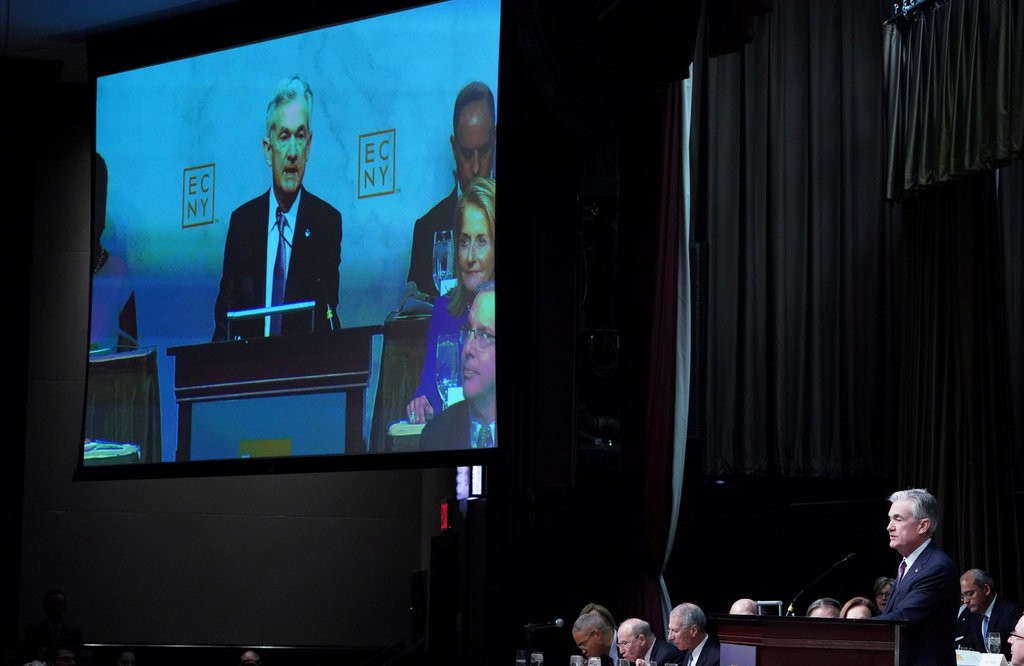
[(994, 642), (446, 366)]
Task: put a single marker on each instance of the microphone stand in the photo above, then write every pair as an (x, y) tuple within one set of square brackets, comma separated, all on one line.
[(789, 611)]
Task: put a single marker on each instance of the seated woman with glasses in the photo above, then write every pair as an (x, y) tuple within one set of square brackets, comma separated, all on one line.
[(474, 238)]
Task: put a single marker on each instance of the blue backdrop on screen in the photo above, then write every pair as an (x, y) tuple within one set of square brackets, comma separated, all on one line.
[(182, 145)]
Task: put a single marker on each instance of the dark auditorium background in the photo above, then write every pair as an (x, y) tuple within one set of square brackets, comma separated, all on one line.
[(715, 411)]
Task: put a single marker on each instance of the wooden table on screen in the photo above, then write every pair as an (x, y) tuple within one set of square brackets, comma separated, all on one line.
[(401, 363), (277, 366), (794, 641)]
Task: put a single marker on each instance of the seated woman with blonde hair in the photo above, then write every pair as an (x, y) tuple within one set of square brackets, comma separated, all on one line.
[(859, 608)]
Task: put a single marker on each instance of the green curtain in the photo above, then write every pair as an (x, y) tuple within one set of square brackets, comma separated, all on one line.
[(954, 77)]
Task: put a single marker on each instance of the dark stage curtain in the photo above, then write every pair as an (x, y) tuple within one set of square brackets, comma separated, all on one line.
[(657, 231), (788, 195), (956, 434), (955, 85), (657, 294)]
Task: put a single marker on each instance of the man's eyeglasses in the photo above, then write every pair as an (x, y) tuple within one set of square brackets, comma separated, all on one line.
[(1013, 635), (625, 644), (969, 594), (582, 644), (484, 340)]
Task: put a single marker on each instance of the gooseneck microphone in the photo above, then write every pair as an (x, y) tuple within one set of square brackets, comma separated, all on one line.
[(789, 611), (556, 624)]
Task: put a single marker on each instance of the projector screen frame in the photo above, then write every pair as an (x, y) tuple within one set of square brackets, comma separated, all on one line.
[(223, 28)]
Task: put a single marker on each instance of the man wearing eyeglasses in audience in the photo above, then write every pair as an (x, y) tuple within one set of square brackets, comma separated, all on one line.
[(984, 611), (596, 638), (637, 642), (1016, 641), (471, 423)]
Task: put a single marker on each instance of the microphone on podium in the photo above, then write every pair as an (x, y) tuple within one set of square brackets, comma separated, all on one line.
[(556, 624), (789, 611)]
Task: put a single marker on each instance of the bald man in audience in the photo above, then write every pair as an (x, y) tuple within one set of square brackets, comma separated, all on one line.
[(984, 611), (1016, 641), (637, 642), (744, 607)]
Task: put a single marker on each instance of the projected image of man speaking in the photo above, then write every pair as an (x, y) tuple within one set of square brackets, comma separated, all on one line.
[(284, 246)]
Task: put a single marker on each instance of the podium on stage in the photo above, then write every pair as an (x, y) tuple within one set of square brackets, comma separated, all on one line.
[(337, 362), (750, 640)]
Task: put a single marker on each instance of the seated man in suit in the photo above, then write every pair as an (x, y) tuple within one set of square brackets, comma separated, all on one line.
[(984, 611), (595, 637), (637, 642), (687, 630), (472, 422), (284, 246)]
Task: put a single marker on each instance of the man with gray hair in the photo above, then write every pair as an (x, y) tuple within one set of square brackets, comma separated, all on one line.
[(595, 637), (927, 592), (687, 630), (637, 643), (284, 246)]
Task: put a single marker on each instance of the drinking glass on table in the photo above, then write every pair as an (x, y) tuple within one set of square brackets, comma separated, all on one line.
[(994, 642), (446, 367)]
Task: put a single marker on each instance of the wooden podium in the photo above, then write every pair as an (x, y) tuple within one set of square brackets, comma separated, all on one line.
[(288, 365), (798, 641)]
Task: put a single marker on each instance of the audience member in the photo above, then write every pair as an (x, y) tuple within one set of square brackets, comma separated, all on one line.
[(595, 637), (687, 630), (52, 630), (472, 422), (605, 613), (1016, 640), (472, 143), (474, 265), (882, 589), (62, 655), (636, 641), (249, 658), (744, 607), (126, 658), (925, 598), (984, 611), (824, 607), (859, 608)]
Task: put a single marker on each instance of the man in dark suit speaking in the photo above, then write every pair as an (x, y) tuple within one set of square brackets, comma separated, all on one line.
[(927, 591), (472, 142), (284, 246)]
